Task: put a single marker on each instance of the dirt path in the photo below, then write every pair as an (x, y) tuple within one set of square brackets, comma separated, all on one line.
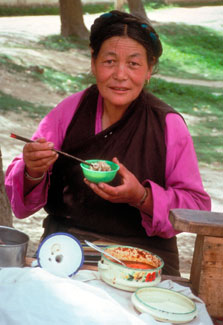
[(16, 36), (207, 16), (206, 83)]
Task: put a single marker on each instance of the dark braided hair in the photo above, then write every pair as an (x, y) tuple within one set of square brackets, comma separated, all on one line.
[(117, 23)]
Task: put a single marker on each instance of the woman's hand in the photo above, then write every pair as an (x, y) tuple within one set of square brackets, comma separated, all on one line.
[(38, 157), (130, 191)]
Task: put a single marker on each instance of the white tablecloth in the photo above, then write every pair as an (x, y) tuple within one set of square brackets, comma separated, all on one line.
[(34, 296)]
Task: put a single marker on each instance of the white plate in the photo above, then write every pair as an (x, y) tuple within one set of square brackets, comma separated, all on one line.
[(60, 254), (164, 305)]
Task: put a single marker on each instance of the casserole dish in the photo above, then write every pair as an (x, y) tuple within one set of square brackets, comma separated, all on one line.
[(143, 268)]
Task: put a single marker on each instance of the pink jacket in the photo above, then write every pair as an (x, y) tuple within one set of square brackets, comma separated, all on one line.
[(184, 187)]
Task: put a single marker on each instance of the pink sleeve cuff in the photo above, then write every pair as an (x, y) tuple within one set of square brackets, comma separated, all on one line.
[(158, 224), (35, 200)]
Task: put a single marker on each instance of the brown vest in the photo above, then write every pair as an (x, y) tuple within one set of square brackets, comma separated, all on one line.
[(137, 140)]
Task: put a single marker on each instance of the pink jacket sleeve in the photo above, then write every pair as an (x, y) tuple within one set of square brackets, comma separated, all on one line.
[(184, 187), (53, 127)]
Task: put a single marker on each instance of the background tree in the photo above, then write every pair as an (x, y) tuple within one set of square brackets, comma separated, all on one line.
[(5, 209), (119, 4), (136, 8), (71, 16)]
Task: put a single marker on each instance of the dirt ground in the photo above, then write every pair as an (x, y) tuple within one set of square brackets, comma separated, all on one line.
[(16, 36)]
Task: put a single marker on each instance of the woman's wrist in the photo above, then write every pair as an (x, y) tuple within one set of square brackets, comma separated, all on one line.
[(143, 198), (138, 203), (33, 179), (145, 204)]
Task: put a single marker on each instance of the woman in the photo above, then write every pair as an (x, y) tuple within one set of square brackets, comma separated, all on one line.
[(113, 120)]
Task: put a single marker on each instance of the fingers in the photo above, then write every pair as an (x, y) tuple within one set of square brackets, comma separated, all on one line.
[(38, 146), (105, 191), (123, 171), (39, 156), (41, 164)]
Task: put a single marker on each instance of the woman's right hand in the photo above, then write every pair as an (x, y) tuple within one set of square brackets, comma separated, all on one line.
[(38, 157)]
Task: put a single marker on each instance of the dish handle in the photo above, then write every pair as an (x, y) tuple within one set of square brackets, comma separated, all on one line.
[(103, 266)]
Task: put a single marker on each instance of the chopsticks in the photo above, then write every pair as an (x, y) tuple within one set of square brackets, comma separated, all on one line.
[(18, 137)]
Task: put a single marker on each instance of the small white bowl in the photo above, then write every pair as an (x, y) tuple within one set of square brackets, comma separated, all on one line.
[(164, 305)]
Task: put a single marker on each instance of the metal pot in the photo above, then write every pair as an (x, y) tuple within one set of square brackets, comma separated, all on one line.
[(13, 247)]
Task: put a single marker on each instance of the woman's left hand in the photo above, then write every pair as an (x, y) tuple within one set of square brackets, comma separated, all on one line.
[(130, 191)]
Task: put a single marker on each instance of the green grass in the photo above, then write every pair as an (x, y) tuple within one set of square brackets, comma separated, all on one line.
[(194, 100), (62, 82), (157, 4), (8, 62), (10, 103), (61, 43), (191, 52), (205, 104), (6, 11), (97, 8)]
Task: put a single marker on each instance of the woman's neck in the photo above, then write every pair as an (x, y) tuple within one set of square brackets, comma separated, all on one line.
[(111, 116)]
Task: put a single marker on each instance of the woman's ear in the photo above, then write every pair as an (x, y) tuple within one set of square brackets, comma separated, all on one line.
[(149, 73), (92, 63), (148, 77), (92, 66)]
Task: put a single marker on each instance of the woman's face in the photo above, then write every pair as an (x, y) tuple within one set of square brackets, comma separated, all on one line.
[(121, 69)]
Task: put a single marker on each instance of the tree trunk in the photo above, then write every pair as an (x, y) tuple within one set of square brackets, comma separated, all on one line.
[(119, 4), (137, 9), (72, 22), (5, 209)]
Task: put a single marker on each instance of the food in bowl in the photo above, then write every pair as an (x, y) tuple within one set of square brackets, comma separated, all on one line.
[(143, 268), (135, 257), (101, 166), (97, 176)]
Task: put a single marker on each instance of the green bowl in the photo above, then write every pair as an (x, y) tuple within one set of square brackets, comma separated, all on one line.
[(100, 176)]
